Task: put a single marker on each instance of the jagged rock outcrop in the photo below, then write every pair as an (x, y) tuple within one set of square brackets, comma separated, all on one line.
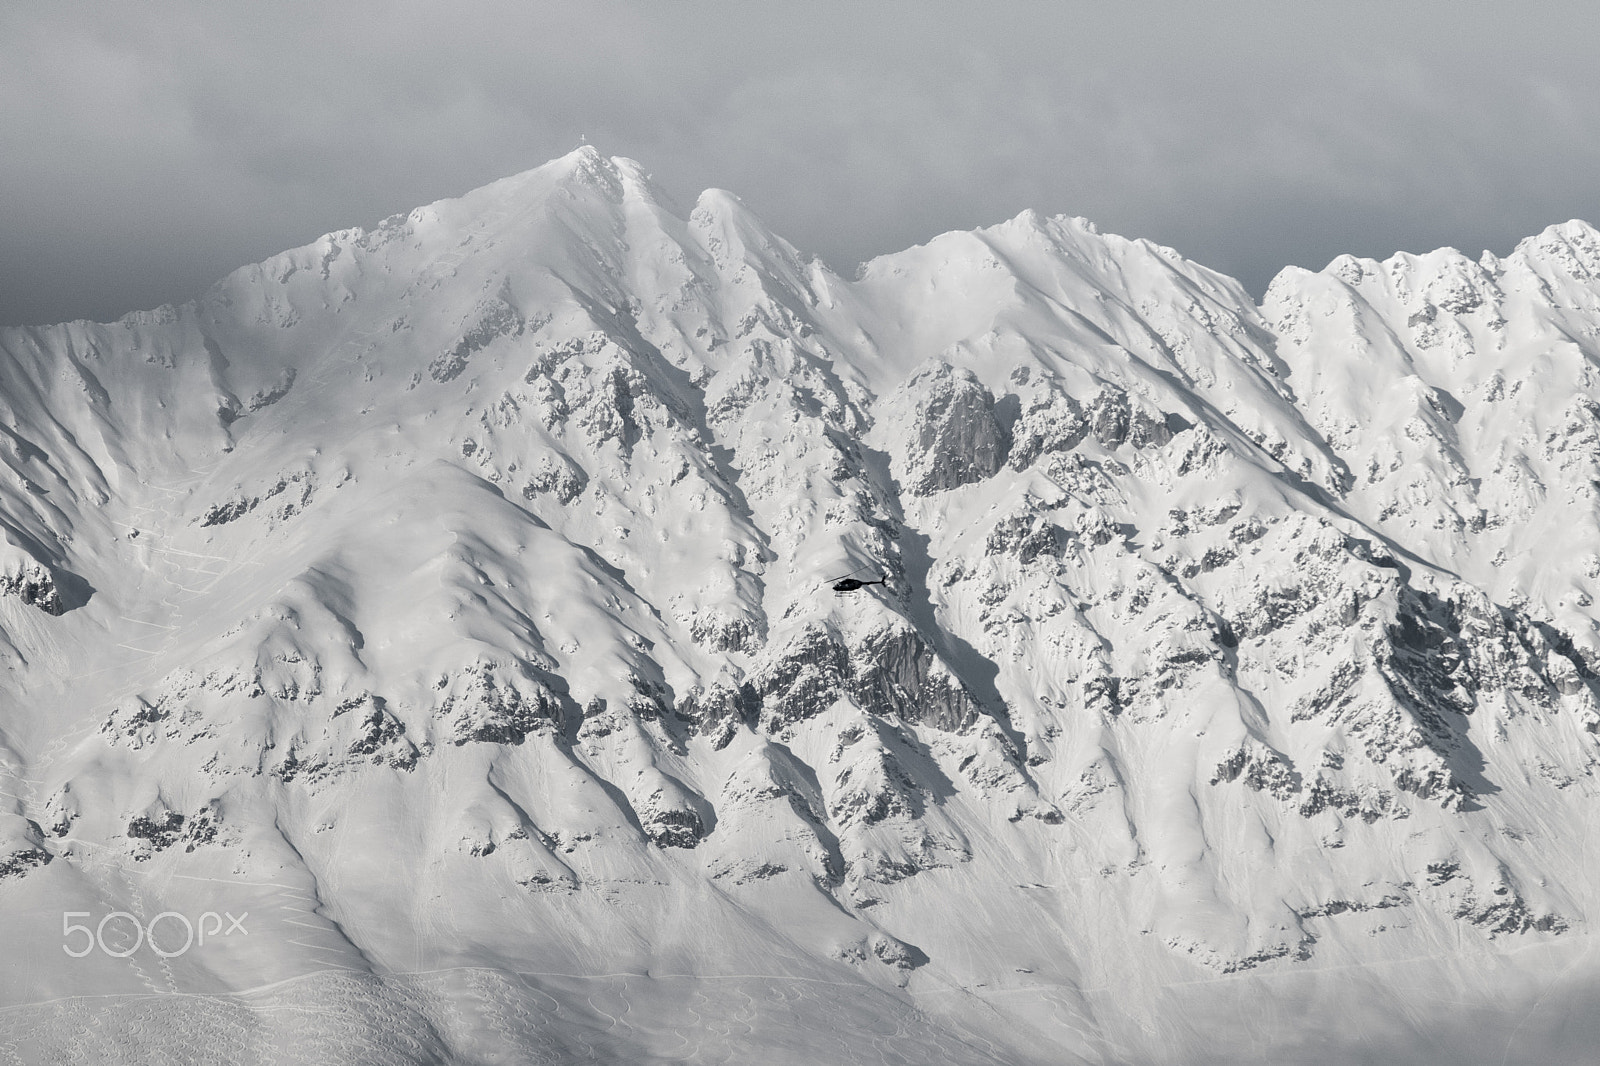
[(955, 438)]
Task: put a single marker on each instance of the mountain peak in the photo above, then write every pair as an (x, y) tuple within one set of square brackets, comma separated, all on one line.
[(1572, 248)]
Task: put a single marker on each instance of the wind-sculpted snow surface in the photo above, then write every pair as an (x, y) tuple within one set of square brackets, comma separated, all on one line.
[(452, 599)]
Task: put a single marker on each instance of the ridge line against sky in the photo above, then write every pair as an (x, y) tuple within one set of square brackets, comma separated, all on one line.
[(157, 148)]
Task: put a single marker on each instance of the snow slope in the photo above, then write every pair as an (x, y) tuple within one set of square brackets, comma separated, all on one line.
[(451, 597)]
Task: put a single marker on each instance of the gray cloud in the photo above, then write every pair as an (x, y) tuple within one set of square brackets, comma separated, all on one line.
[(150, 148)]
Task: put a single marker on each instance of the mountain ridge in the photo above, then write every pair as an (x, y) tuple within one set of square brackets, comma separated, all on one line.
[(455, 593)]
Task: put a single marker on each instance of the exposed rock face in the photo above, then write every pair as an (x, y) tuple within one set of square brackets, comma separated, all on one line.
[(29, 581), (895, 674), (493, 706), (495, 545), (22, 847), (34, 586), (956, 438)]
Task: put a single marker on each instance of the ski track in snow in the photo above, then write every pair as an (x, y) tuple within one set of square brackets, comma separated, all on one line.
[(737, 1019)]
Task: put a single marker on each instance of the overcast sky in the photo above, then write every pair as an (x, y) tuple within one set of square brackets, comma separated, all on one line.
[(148, 148)]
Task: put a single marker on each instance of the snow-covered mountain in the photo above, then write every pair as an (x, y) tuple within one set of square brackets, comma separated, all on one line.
[(453, 599)]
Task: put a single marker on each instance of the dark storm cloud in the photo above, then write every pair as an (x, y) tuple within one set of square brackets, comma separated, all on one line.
[(149, 148)]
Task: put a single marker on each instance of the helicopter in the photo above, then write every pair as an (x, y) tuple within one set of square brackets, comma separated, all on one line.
[(850, 583)]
